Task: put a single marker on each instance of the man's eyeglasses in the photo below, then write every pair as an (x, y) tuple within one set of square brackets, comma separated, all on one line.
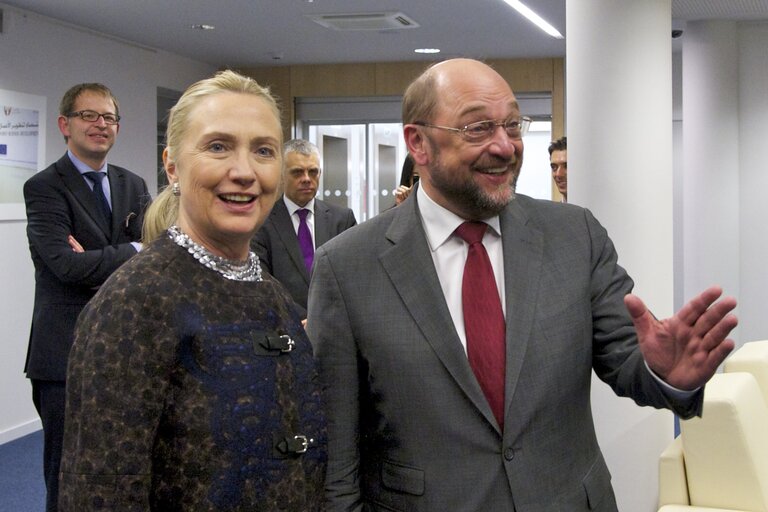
[(92, 116), (481, 131)]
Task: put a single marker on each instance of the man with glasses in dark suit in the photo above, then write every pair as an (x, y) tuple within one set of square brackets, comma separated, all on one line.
[(83, 221)]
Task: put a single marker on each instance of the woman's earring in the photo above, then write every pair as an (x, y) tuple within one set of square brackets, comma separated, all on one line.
[(176, 189)]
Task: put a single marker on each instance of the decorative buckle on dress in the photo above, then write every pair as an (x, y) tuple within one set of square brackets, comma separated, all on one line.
[(282, 343), (295, 445), (288, 342)]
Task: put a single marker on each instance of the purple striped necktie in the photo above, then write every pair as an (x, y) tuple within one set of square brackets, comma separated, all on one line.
[(305, 238)]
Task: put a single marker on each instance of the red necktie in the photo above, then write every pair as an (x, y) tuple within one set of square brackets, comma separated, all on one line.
[(483, 318)]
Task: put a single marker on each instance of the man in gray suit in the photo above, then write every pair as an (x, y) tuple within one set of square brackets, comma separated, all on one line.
[(415, 422), (278, 243)]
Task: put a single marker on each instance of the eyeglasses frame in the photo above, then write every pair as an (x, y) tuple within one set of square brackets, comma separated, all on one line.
[(462, 132), (79, 113)]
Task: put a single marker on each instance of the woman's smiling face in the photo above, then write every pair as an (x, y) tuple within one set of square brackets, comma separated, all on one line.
[(228, 169)]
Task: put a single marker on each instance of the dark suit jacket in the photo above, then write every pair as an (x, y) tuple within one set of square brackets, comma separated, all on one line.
[(409, 426), (60, 203), (277, 245)]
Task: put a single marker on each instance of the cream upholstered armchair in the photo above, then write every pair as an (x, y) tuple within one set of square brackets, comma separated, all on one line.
[(752, 358), (719, 462)]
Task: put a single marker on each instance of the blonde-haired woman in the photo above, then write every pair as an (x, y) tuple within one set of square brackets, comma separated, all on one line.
[(192, 384)]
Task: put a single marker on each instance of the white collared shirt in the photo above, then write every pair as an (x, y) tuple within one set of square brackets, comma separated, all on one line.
[(449, 253), (293, 208), (82, 168)]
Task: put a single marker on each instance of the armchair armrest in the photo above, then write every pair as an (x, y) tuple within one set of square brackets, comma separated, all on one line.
[(673, 483)]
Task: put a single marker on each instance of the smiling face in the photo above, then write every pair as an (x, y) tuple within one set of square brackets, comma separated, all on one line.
[(228, 170), (473, 180), (558, 162), (90, 141), (302, 177)]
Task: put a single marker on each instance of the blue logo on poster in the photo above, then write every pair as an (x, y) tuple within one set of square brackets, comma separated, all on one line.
[(3, 149)]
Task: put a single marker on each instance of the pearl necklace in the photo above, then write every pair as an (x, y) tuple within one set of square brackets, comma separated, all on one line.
[(249, 270)]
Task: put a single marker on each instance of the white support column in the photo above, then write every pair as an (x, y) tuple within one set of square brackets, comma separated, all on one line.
[(619, 90)]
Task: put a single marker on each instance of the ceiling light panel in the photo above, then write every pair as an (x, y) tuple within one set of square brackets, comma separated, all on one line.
[(365, 21)]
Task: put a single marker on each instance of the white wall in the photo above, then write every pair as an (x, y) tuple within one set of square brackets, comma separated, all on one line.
[(752, 206), (43, 57), (725, 106), (711, 230)]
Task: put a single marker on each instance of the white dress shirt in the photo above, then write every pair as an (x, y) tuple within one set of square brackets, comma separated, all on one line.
[(449, 253)]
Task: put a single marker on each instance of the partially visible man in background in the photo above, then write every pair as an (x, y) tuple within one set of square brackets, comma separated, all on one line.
[(84, 220), (558, 162)]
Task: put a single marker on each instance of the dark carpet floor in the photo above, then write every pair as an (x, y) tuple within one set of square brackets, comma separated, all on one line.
[(21, 474)]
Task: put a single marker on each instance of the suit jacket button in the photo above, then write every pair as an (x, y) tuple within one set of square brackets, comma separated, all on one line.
[(509, 454)]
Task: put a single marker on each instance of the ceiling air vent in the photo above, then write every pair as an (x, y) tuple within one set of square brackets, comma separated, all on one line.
[(365, 21)]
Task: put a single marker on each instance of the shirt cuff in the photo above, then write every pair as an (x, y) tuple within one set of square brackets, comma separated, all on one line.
[(678, 394), (138, 246)]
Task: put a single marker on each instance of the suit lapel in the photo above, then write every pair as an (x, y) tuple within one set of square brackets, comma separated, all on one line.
[(75, 182), (523, 251), (287, 233), (119, 200), (322, 223), (417, 283)]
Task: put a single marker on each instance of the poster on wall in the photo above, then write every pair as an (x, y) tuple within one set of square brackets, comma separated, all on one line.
[(22, 148)]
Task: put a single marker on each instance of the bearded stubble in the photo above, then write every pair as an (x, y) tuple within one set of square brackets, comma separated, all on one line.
[(475, 203)]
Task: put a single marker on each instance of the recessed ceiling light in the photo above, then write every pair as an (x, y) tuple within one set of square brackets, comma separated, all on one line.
[(202, 26), (427, 50)]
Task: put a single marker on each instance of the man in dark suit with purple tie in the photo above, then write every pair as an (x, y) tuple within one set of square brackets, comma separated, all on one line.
[(298, 223), (83, 221)]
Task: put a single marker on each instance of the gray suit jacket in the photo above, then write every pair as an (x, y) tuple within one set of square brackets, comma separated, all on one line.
[(277, 245), (409, 427)]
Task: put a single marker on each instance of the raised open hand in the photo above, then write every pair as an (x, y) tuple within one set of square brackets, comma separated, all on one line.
[(686, 349)]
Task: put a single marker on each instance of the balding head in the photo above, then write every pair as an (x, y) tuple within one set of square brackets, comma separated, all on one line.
[(423, 96)]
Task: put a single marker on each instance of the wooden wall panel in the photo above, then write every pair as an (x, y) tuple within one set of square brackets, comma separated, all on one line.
[(558, 98), (278, 79), (325, 80), (392, 78), (526, 75)]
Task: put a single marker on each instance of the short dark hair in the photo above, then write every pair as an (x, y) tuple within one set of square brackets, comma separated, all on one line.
[(67, 104), (406, 175), (560, 144)]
